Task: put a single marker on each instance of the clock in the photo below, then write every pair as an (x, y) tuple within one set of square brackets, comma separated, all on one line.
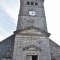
[(32, 13)]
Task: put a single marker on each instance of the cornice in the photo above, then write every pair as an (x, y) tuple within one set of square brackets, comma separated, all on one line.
[(44, 33)]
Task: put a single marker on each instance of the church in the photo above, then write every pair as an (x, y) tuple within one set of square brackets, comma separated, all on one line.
[(31, 39)]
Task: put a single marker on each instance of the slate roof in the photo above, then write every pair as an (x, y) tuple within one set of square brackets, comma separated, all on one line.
[(6, 47), (55, 50)]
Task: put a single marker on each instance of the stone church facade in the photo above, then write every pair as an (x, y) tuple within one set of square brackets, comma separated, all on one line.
[(31, 40)]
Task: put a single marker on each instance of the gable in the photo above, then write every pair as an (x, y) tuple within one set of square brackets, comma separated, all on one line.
[(31, 48), (32, 31)]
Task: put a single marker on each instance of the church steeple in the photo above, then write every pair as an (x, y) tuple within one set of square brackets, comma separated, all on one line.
[(31, 37), (31, 14)]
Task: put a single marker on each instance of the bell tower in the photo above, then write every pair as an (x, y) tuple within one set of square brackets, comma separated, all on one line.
[(31, 36), (32, 14)]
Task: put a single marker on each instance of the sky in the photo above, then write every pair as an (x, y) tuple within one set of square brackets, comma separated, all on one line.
[(9, 10)]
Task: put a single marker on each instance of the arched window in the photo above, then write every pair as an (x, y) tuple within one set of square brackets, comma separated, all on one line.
[(36, 3), (28, 3), (32, 3)]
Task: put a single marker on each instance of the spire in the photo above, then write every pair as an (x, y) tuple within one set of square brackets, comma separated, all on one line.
[(31, 14)]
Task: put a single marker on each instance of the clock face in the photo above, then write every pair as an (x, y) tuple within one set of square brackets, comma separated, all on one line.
[(32, 13)]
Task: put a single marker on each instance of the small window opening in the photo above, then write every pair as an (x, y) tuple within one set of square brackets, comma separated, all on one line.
[(36, 3), (28, 3), (34, 57), (32, 3)]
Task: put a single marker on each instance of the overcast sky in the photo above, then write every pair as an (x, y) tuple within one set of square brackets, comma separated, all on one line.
[(9, 10)]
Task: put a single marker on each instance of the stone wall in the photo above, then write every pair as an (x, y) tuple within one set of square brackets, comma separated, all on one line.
[(23, 41)]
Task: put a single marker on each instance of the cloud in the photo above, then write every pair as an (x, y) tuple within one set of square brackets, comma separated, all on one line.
[(4, 34), (10, 9)]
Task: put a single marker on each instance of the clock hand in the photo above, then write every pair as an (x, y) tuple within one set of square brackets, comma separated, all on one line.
[(32, 12)]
